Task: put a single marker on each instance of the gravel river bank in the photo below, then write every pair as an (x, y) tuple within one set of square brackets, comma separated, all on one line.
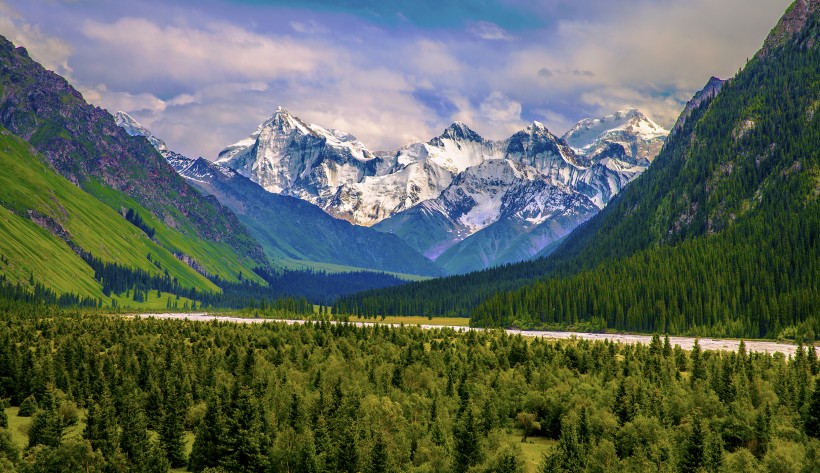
[(762, 346)]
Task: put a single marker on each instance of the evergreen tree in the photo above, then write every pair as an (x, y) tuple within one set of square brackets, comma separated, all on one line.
[(172, 435), (813, 417), (246, 441), (378, 456), (46, 428), (468, 447), (210, 435), (28, 407), (134, 440), (101, 427), (698, 366), (692, 456)]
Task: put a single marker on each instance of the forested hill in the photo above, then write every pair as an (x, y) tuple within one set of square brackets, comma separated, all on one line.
[(719, 236)]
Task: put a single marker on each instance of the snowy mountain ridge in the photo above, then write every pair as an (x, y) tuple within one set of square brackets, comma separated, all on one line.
[(458, 199), (288, 227), (640, 137), (336, 172)]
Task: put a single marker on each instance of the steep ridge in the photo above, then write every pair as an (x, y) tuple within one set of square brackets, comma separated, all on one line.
[(707, 93), (47, 221), (718, 237), (288, 227), (86, 146)]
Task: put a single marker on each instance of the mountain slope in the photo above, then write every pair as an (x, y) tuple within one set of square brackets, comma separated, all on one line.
[(291, 228), (288, 227), (549, 213), (718, 237), (45, 217), (86, 146)]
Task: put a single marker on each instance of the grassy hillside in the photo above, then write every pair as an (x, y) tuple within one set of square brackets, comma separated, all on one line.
[(30, 251), (43, 214), (213, 257), (84, 144)]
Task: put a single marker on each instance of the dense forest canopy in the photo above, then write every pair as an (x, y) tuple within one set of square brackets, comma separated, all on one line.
[(111, 394)]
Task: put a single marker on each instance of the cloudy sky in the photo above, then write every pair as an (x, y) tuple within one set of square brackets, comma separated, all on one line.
[(203, 74)]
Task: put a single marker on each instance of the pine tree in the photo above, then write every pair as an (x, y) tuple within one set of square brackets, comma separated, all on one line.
[(46, 427), (698, 365), (101, 427), (134, 440), (813, 417), (172, 435), (693, 450), (713, 455), (378, 456), (210, 435), (763, 432), (247, 442), (468, 447), (28, 407)]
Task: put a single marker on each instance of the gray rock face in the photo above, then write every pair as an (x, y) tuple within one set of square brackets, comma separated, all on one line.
[(709, 92)]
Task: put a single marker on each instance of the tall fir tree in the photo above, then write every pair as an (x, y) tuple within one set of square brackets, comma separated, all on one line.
[(210, 435)]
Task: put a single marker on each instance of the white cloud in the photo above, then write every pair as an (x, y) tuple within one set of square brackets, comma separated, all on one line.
[(53, 53), (500, 115), (115, 101), (636, 57), (308, 27), (498, 107), (489, 31), (143, 50), (202, 85), (432, 60)]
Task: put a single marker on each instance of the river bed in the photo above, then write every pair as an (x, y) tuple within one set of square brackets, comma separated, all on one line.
[(717, 344)]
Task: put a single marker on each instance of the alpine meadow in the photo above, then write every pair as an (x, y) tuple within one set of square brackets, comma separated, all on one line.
[(548, 248)]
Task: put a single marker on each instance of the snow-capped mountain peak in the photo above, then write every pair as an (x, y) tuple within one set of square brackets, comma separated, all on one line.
[(283, 121), (639, 136), (285, 155), (458, 131), (134, 128), (538, 126)]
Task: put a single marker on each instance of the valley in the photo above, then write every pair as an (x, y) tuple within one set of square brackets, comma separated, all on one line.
[(512, 269)]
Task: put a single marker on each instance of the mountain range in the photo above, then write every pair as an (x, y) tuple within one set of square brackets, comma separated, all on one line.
[(463, 201), (287, 227), (716, 235)]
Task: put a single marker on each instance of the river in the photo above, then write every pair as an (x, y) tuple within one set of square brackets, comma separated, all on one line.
[(719, 344)]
